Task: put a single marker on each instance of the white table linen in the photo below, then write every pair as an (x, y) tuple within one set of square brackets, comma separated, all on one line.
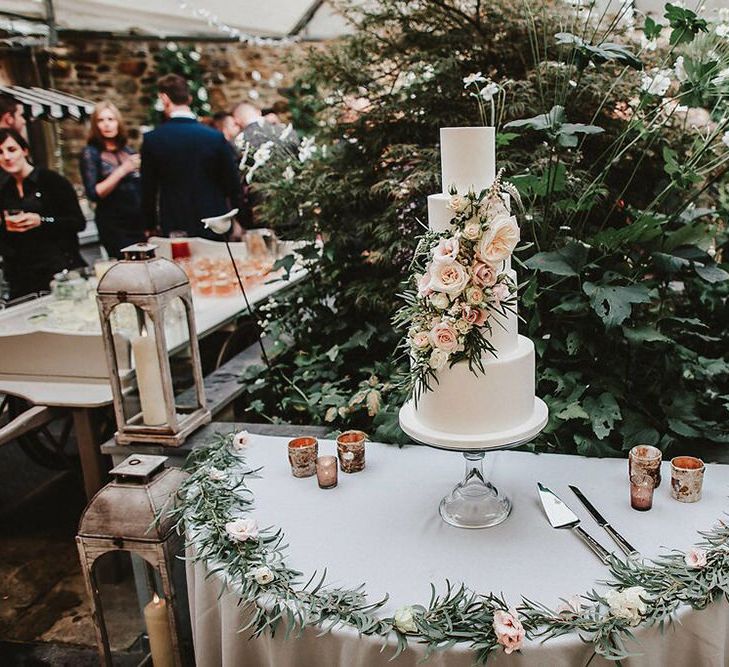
[(381, 527)]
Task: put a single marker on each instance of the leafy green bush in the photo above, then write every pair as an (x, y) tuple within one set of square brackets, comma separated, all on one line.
[(626, 197)]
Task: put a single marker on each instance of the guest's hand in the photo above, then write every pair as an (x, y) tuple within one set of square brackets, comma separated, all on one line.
[(22, 222), (133, 163)]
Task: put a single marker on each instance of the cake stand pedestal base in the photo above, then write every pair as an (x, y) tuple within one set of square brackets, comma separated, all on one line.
[(474, 502)]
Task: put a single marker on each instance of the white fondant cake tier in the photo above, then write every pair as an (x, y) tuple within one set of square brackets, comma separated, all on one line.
[(467, 158)]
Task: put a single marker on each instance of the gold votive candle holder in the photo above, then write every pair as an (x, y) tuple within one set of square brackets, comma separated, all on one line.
[(687, 478), (302, 456), (647, 459), (351, 451), (326, 471), (642, 486)]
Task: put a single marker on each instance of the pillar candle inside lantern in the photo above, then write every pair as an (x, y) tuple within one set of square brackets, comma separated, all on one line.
[(158, 631), (149, 380)]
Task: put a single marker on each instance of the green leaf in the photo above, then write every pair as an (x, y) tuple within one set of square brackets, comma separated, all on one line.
[(286, 263), (682, 428), (332, 353), (636, 430), (585, 53), (505, 138), (591, 447), (651, 29), (573, 411), (711, 273), (567, 261), (613, 304), (604, 411), (645, 334), (685, 24)]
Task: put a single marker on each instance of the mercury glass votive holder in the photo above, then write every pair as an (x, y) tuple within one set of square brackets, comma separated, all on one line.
[(351, 451), (642, 486), (687, 478), (647, 459), (302, 456), (326, 472)]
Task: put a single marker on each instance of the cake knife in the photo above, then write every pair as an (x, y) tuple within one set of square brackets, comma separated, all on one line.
[(561, 516), (626, 547)]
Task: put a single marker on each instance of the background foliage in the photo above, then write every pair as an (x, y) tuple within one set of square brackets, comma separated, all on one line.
[(622, 288)]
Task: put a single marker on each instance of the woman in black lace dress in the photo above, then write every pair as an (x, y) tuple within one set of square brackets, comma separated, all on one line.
[(110, 171)]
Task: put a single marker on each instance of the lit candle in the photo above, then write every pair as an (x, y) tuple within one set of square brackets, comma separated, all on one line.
[(158, 631), (326, 471), (149, 380)]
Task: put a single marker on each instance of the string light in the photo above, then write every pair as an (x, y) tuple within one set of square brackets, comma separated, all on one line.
[(215, 22)]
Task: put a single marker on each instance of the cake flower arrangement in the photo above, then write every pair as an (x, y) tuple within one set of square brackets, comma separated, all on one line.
[(460, 288)]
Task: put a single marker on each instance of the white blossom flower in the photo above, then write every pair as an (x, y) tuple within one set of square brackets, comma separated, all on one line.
[(263, 154), (487, 92), (404, 619), (657, 82), (723, 14), (307, 148), (286, 132), (254, 94), (241, 530), (256, 75), (202, 94), (627, 604), (288, 173), (695, 558), (262, 574), (195, 55), (679, 69), (722, 30), (725, 139), (216, 474), (241, 440), (438, 359), (648, 44), (172, 46), (473, 78)]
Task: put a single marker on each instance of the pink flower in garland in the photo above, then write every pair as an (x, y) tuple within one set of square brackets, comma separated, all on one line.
[(444, 337), (695, 558), (424, 285), (509, 630), (446, 250), (484, 275), (475, 316), (500, 293)]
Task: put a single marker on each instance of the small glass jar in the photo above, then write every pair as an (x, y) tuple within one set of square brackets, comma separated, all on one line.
[(326, 472), (642, 486), (302, 456)]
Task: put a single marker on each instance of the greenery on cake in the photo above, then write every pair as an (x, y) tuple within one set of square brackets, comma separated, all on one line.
[(622, 244)]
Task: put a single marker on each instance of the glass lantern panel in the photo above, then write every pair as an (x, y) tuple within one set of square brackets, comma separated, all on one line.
[(181, 363)]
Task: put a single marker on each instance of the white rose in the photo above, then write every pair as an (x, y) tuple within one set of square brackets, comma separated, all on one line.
[(439, 300), (472, 230), (216, 474), (438, 359), (421, 340), (240, 440), (446, 250), (458, 203), (405, 620), (448, 277), (241, 530), (474, 295), (695, 558), (627, 604), (499, 240), (263, 575)]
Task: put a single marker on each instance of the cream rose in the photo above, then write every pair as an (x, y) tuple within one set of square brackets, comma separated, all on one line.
[(475, 316), (423, 285), (695, 558), (500, 293), (474, 295), (241, 530), (509, 630), (263, 575), (627, 604), (438, 359), (457, 203), (499, 240), (404, 620), (484, 274), (217, 475), (472, 230), (444, 337), (439, 300), (240, 440), (421, 340), (446, 250), (448, 277)]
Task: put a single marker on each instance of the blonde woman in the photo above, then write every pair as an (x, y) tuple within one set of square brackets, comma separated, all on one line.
[(110, 172)]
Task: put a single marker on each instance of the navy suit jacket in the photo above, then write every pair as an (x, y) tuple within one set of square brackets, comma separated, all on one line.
[(188, 173)]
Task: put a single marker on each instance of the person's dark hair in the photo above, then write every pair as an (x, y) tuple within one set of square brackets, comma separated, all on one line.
[(175, 87), (11, 133), (8, 104), (220, 116)]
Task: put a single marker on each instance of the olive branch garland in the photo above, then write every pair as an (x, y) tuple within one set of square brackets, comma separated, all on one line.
[(215, 492)]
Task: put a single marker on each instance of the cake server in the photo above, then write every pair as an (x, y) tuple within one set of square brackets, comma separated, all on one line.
[(561, 516), (626, 547)]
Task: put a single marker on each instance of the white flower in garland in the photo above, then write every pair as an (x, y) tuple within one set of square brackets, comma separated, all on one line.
[(473, 78), (457, 203), (438, 359), (202, 94), (448, 277), (722, 30), (217, 475), (404, 619), (627, 604), (657, 82), (439, 300), (288, 174), (241, 530), (509, 631), (241, 440), (172, 46), (695, 558), (263, 575), (195, 55)]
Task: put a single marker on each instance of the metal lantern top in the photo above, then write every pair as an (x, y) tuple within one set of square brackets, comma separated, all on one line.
[(141, 274), (127, 508)]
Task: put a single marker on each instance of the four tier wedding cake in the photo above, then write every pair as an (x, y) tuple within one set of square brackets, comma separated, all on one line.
[(473, 375)]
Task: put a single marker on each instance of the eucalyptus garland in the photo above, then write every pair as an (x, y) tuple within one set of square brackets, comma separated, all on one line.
[(216, 509)]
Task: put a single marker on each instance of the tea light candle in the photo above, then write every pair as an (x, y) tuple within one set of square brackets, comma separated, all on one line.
[(158, 631), (642, 486), (351, 451), (687, 478), (326, 471), (302, 456), (149, 380)]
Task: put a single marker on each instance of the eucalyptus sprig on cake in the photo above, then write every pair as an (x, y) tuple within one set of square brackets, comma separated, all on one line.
[(460, 287)]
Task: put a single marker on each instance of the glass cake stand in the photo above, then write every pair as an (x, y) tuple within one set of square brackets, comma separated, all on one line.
[(474, 502)]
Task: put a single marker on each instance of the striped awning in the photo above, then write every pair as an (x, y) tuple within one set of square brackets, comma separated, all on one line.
[(49, 103)]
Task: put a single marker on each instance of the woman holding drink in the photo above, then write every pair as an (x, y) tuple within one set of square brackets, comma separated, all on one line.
[(41, 219)]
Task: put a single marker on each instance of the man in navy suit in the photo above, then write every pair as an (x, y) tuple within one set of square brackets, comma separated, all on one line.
[(188, 169)]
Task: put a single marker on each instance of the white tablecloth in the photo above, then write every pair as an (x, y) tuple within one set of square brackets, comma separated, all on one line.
[(381, 527)]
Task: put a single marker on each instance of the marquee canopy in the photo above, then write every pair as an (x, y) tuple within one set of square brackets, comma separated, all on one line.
[(314, 19)]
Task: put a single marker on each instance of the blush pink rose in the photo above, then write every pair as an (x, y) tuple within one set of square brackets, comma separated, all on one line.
[(448, 277), (484, 275), (444, 337), (446, 250), (421, 340), (695, 558), (500, 239), (241, 530), (475, 316), (423, 285), (500, 293), (509, 630)]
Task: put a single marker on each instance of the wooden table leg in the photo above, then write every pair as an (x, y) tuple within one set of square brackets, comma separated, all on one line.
[(93, 466)]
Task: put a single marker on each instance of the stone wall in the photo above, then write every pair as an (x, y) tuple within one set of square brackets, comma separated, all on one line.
[(124, 72)]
